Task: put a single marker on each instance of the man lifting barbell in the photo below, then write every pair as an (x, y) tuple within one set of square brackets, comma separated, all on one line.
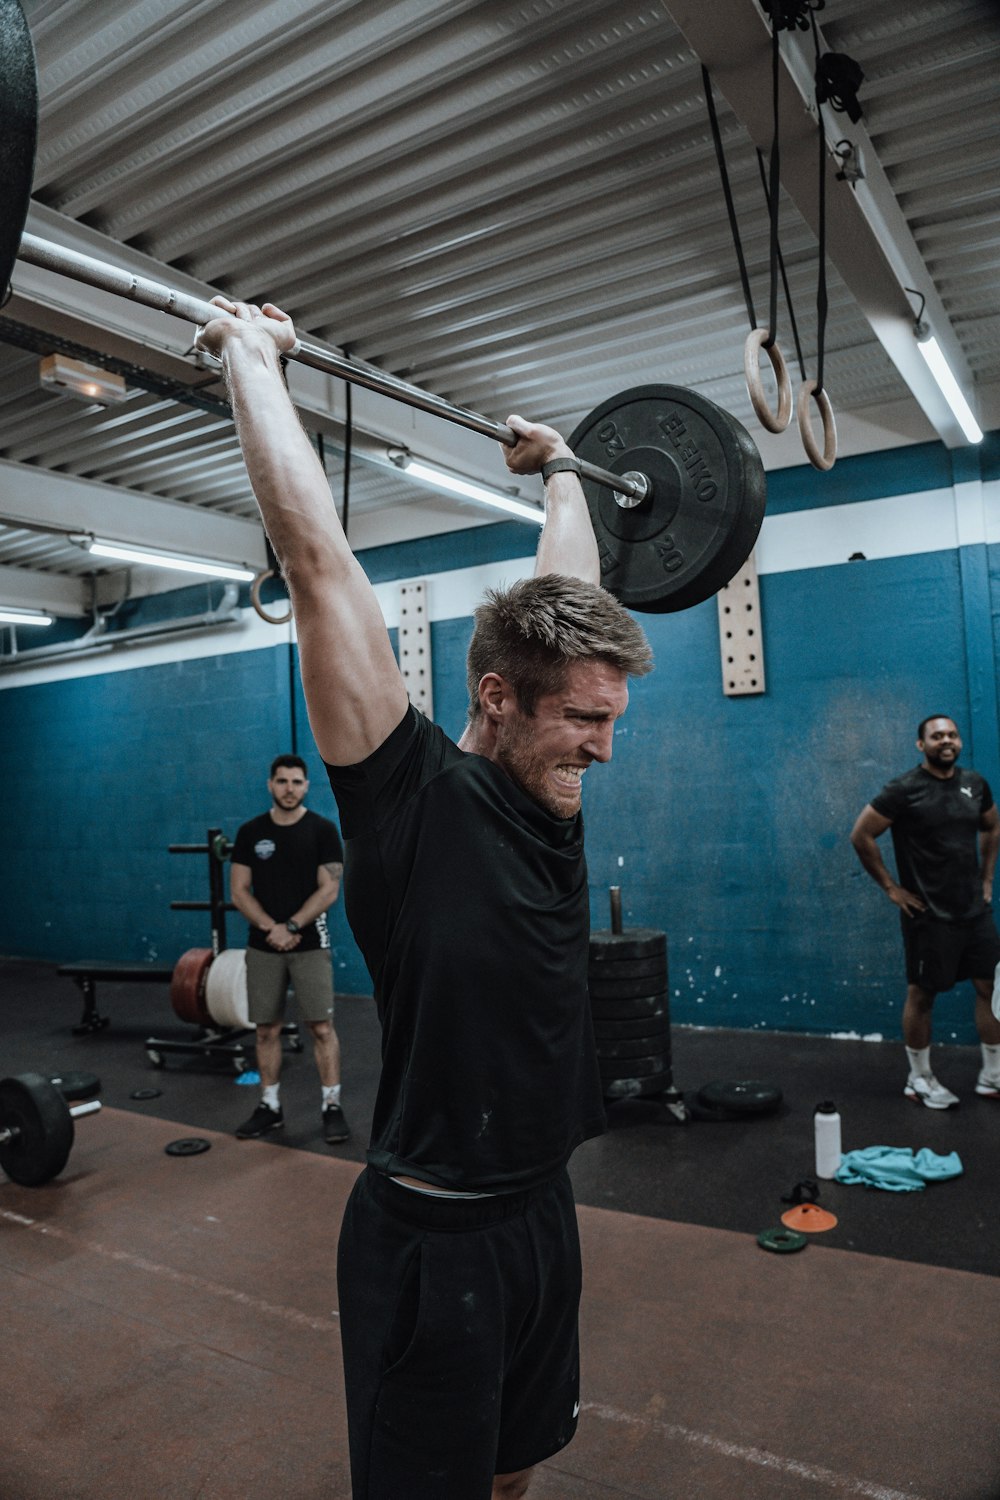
[(466, 890)]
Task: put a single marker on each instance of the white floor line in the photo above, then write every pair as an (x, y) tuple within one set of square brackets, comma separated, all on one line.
[(844, 1484), (180, 1278)]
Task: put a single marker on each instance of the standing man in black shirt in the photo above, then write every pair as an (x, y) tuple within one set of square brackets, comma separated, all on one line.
[(945, 834), (466, 889), (285, 876)]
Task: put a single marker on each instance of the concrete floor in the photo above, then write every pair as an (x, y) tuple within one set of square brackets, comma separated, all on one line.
[(172, 1334), (172, 1326)]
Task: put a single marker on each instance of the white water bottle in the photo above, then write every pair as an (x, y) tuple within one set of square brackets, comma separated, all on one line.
[(828, 1153)]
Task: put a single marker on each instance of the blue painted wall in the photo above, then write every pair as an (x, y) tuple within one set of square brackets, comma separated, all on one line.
[(725, 821)]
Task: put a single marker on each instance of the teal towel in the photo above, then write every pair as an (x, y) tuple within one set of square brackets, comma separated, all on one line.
[(896, 1169)]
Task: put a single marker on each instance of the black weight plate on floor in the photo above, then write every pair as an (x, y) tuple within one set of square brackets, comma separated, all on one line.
[(627, 989), (627, 1010), (635, 1067), (18, 132), (634, 1088), (611, 1030), (634, 942), (609, 1050), (628, 968), (697, 529), (77, 1085), (747, 1096), (146, 1094), (190, 1145), (30, 1105)]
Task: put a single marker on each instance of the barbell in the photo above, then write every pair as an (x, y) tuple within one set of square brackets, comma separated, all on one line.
[(36, 1128), (674, 484)]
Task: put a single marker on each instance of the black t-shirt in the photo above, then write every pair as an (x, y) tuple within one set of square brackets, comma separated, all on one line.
[(283, 859), (469, 902), (935, 835)]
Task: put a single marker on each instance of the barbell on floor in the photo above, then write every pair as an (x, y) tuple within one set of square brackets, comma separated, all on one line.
[(674, 484), (36, 1128)]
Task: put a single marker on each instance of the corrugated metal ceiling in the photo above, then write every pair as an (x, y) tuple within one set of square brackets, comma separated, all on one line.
[(516, 205)]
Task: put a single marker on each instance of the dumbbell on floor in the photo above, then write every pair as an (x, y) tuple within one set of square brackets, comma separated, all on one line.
[(36, 1128)]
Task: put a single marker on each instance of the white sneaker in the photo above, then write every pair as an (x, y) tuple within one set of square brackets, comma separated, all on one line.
[(988, 1084), (925, 1088)]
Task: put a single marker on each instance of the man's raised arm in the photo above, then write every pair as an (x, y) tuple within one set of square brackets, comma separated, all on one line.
[(567, 543), (354, 691)]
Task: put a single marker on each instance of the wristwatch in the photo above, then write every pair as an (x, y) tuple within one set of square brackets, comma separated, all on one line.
[(293, 926)]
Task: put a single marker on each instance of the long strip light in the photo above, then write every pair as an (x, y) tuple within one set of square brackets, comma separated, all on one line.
[(12, 616), (178, 561), (950, 389), (451, 484)]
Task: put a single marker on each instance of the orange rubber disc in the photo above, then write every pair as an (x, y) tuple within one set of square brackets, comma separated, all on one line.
[(809, 1218)]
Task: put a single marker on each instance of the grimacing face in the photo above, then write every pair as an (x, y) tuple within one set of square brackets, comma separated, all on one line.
[(288, 787), (548, 752)]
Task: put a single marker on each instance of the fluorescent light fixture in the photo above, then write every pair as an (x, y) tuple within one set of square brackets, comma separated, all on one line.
[(12, 616), (74, 378), (440, 479), (181, 563), (950, 390)]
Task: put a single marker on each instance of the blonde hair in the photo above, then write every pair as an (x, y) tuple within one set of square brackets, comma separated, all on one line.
[(531, 632)]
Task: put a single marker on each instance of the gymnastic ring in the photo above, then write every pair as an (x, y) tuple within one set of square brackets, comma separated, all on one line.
[(255, 600), (755, 389), (828, 457)]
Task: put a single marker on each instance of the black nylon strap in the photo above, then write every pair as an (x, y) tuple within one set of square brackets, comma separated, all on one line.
[(727, 192), (772, 330), (784, 275), (821, 298)]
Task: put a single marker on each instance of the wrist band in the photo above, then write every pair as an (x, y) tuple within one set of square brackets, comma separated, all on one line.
[(560, 466)]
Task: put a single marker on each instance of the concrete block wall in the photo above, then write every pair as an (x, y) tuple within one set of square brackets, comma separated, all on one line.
[(724, 820)]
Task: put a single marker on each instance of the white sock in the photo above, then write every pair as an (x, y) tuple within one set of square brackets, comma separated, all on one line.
[(920, 1059), (269, 1095), (331, 1092), (991, 1059)]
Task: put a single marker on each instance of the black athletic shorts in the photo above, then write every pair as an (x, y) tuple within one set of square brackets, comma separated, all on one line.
[(939, 954), (459, 1328)]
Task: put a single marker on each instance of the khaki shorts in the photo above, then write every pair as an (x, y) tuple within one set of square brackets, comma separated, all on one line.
[(269, 975)]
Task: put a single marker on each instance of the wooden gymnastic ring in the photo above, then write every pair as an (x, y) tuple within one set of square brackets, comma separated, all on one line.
[(828, 457), (755, 389), (255, 600)]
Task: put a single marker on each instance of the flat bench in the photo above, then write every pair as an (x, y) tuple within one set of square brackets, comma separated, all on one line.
[(85, 973)]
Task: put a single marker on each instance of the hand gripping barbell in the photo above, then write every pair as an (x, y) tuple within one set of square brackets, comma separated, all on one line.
[(36, 1128), (674, 484)]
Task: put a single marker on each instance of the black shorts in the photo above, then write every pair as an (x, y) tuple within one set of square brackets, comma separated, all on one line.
[(459, 1328), (939, 954)]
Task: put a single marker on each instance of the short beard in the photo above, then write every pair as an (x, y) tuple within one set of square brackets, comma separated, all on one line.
[(517, 756)]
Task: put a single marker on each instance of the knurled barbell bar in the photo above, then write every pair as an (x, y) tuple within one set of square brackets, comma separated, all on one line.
[(674, 484), (36, 1128)]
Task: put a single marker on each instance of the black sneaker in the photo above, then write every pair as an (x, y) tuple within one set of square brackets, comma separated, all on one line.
[(335, 1127), (263, 1119)]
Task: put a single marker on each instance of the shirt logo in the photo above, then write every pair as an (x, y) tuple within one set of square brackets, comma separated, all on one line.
[(264, 848), (966, 791)]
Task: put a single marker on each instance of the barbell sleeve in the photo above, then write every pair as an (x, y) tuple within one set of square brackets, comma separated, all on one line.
[(89, 1107)]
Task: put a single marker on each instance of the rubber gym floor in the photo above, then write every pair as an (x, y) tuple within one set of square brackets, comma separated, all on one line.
[(171, 1321)]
